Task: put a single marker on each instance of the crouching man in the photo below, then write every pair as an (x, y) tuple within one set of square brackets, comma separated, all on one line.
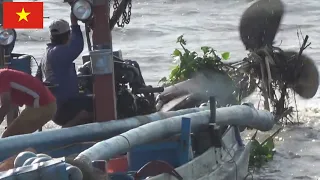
[(19, 88)]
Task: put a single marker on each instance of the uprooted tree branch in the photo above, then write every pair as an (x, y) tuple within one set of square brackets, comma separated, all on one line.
[(278, 74)]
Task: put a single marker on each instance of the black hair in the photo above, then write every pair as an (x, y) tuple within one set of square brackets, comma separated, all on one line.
[(59, 38)]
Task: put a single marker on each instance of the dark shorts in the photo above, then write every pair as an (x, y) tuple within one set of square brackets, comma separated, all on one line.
[(68, 110)]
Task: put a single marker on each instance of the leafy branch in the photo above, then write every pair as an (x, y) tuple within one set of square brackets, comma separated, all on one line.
[(261, 153), (190, 62)]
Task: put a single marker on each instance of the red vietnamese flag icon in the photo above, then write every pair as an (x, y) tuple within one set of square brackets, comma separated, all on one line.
[(23, 15)]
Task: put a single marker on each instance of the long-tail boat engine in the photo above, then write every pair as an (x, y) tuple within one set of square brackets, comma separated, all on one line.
[(134, 97)]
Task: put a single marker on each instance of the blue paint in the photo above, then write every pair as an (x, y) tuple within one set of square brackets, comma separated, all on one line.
[(176, 153), (238, 136), (141, 155), (20, 62), (185, 140)]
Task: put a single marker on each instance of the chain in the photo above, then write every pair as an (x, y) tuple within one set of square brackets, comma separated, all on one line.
[(126, 15)]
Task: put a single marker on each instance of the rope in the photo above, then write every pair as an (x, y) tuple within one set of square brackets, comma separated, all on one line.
[(232, 158)]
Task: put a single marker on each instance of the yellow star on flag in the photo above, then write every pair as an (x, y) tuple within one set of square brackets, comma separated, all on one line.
[(23, 15)]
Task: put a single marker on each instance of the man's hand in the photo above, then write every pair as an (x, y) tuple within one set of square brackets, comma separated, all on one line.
[(73, 19)]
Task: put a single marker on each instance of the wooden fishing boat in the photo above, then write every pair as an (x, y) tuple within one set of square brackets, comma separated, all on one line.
[(165, 149), (126, 143)]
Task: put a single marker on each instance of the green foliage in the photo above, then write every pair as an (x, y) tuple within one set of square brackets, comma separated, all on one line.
[(190, 62), (261, 153), (225, 55)]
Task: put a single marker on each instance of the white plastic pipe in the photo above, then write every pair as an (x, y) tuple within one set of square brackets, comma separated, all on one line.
[(235, 115), (47, 140)]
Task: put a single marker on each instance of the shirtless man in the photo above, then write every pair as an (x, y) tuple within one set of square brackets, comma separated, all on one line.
[(19, 88)]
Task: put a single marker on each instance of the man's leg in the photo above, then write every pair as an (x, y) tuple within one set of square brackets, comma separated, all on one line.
[(76, 111), (30, 120), (83, 117)]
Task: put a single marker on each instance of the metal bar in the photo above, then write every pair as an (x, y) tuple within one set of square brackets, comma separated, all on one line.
[(212, 101), (185, 140)]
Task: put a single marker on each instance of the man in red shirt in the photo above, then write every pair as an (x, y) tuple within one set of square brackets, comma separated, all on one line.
[(19, 88)]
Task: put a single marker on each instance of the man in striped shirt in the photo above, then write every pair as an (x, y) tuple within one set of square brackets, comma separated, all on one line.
[(19, 88)]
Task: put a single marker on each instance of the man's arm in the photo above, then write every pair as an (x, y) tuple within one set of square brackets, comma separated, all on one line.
[(5, 105), (69, 52), (66, 54)]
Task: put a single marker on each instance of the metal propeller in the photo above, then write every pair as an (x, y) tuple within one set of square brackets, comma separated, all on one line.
[(307, 78), (260, 22), (258, 27)]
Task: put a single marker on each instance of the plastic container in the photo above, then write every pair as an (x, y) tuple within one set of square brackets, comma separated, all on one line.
[(21, 63), (118, 164)]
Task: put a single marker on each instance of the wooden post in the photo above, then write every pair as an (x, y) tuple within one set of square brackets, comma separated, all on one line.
[(103, 85)]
